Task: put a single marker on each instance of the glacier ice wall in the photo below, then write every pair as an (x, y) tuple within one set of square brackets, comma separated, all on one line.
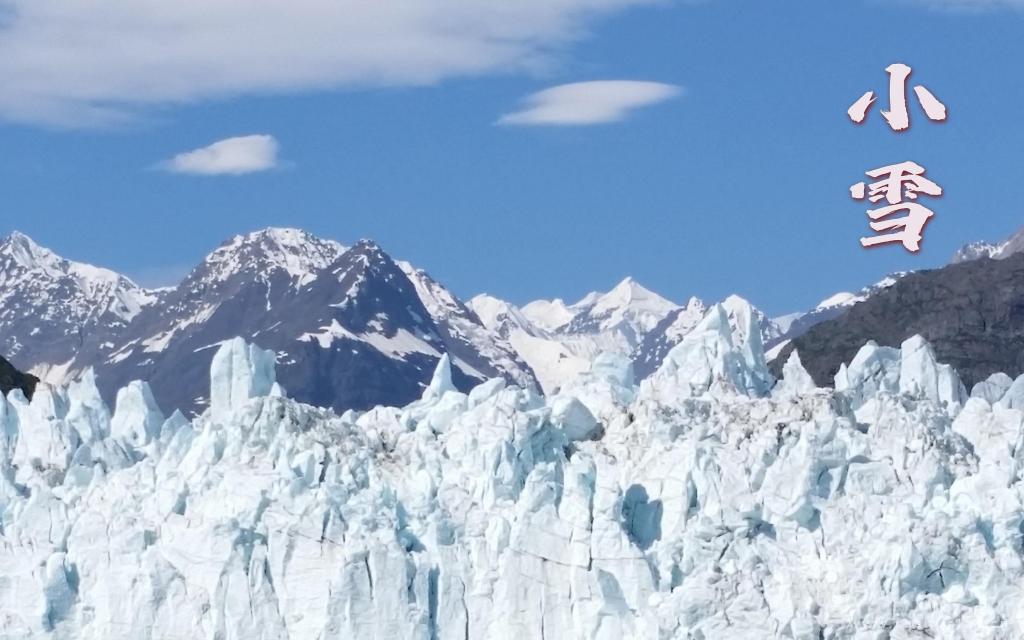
[(701, 504)]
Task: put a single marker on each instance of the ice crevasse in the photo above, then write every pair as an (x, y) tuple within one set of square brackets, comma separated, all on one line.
[(708, 502)]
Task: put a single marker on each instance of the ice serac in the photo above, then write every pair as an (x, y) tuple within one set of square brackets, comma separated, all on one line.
[(441, 382), (873, 370), (606, 389), (795, 379), (88, 415), (707, 356), (993, 388), (1014, 396), (700, 507), (912, 370), (921, 374), (44, 441), (239, 373), (137, 418), (748, 324)]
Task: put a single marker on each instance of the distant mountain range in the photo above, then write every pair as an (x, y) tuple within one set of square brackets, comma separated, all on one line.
[(351, 326), (354, 328), (559, 341)]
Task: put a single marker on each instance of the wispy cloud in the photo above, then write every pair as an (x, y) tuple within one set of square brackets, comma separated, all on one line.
[(232, 156), (92, 62), (587, 103)]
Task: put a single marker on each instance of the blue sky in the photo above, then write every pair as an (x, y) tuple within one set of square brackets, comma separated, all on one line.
[(738, 185)]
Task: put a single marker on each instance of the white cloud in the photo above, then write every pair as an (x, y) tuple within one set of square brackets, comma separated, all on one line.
[(232, 156), (90, 62), (583, 103)]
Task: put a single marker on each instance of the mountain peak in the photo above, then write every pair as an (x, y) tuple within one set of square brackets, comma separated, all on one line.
[(628, 289), (17, 237), (630, 292), (59, 303), (26, 252), (995, 250), (294, 251), (25, 255), (282, 239), (365, 245), (548, 314), (628, 302), (370, 255)]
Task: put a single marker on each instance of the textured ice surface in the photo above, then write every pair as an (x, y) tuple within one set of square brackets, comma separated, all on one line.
[(703, 504)]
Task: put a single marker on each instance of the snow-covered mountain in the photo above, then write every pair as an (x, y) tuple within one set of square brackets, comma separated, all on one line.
[(351, 327), (620, 319), (290, 291), (52, 308), (560, 341), (995, 250), (698, 504), (554, 358)]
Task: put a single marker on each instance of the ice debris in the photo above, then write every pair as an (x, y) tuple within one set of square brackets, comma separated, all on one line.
[(702, 504)]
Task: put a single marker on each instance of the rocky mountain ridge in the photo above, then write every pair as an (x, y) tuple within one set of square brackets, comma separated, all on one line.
[(352, 328), (306, 298)]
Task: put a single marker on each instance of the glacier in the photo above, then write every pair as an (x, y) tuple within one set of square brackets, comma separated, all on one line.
[(709, 501)]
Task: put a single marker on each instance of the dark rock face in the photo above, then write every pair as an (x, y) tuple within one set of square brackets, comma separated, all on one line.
[(11, 378), (348, 327), (971, 312)]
